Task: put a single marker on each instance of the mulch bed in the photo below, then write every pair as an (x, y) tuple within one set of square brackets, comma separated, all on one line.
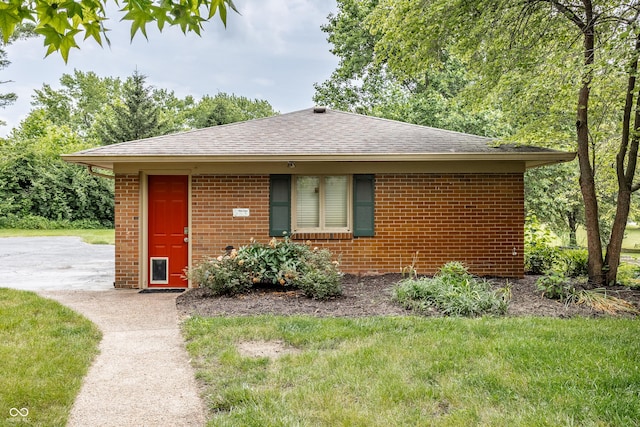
[(371, 296)]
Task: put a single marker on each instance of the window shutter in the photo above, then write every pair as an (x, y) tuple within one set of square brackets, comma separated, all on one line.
[(363, 205), (279, 205)]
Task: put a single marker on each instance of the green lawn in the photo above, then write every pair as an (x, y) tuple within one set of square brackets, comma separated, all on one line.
[(410, 371), (45, 351), (98, 237)]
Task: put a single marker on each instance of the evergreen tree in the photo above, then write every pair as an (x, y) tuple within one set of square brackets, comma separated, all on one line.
[(135, 115)]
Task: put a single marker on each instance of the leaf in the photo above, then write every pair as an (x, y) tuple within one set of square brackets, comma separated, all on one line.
[(93, 29), (9, 18), (139, 13)]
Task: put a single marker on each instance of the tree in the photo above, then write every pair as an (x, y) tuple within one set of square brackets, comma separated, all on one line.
[(35, 182), (530, 59), (61, 22), (79, 102), (223, 108), (552, 195), (365, 84), (135, 115)]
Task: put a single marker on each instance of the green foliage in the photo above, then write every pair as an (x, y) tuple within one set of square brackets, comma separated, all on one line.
[(78, 103), (453, 291), (223, 108), (552, 195), (280, 262), (629, 275), (555, 286), (320, 277), (31, 222), (574, 262), (135, 115), (364, 84), (539, 253), (36, 182), (60, 23)]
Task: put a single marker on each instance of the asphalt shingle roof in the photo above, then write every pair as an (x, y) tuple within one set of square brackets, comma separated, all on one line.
[(305, 132)]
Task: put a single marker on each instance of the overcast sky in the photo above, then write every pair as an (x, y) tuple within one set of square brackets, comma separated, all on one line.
[(274, 50)]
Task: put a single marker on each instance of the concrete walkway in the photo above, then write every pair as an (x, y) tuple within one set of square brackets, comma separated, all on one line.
[(142, 376)]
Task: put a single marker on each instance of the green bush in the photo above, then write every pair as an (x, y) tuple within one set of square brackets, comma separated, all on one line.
[(34, 222), (320, 278), (280, 262), (555, 286), (225, 275), (539, 253), (453, 291), (629, 275), (575, 262)]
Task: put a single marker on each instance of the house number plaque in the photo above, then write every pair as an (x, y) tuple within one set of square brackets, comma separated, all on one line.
[(240, 212)]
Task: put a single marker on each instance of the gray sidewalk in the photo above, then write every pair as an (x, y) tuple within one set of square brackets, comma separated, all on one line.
[(142, 376)]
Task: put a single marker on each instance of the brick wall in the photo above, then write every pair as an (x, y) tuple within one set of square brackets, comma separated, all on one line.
[(474, 218), (213, 226), (435, 218), (127, 212)]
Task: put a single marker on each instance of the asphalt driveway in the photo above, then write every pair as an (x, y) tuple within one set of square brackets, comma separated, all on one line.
[(55, 263)]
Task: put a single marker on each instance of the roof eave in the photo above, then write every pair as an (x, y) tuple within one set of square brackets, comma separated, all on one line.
[(531, 159)]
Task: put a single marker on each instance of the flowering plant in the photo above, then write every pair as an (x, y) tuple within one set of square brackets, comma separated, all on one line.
[(280, 262)]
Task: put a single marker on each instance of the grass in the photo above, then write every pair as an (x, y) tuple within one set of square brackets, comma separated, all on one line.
[(416, 371), (46, 350), (96, 237)]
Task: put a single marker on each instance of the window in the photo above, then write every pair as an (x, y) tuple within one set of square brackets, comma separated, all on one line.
[(321, 203)]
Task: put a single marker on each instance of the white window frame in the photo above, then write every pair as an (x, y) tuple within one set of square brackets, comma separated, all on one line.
[(321, 199)]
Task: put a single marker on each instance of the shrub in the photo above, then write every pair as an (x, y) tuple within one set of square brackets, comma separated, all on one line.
[(629, 275), (453, 291), (224, 275), (575, 262), (280, 262), (320, 277), (34, 222), (555, 286), (539, 253)]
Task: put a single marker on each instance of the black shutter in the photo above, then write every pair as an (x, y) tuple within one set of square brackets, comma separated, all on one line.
[(279, 205), (363, 205)]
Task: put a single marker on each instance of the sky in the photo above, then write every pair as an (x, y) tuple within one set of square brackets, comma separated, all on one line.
[(274, 50)]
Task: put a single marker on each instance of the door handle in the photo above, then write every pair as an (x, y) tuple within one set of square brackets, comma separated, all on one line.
[(186, 240)]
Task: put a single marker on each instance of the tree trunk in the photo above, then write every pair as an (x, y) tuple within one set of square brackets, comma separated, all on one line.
[(628, 151), (587, 182)]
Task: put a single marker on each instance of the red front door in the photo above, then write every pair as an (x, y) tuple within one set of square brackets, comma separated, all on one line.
[(168, 230)]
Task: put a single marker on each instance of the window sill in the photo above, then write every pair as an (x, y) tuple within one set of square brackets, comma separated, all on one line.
[(347, 235)]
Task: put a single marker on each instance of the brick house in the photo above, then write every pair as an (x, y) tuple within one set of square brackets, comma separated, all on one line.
[(376, 192)]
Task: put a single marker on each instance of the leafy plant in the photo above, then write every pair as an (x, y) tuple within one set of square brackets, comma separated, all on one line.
[(453, 291), (539, 253), (575, 262), (555, 286), (320, 277), (280, 262), (629, 275)]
